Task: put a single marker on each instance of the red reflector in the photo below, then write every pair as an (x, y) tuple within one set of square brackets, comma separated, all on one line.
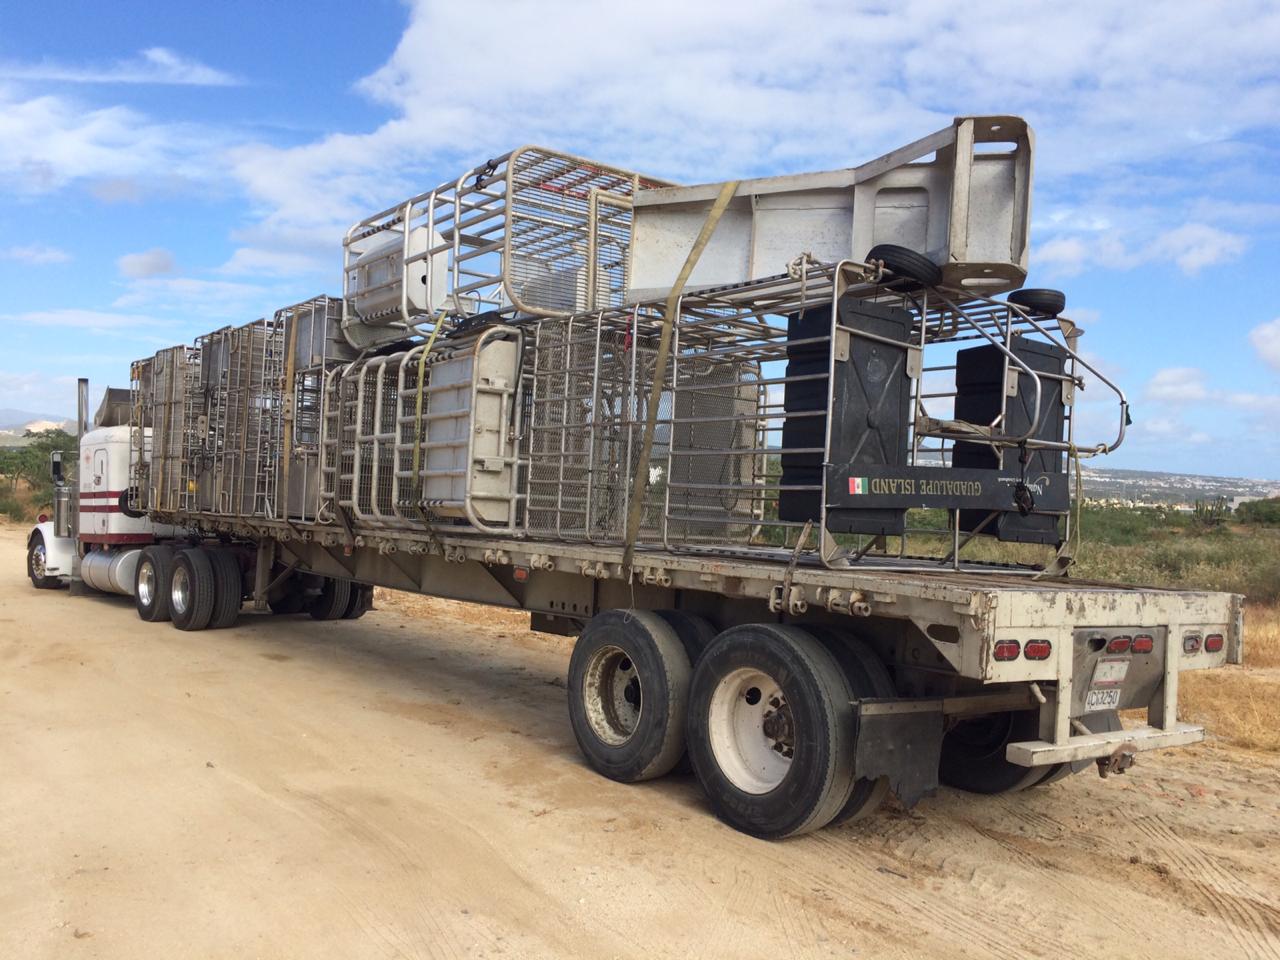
[(1007, 650), (1213, 643), (521, 574), (1143, 644), (1118, 645), (1037, 650), (43, 518), (1191, 643)]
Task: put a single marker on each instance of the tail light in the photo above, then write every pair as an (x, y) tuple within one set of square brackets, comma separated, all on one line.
[(1143, 644), (1191, 643), (1213, 643), (43, 518), (1007, 650), (1118, 645), (1037, 649)]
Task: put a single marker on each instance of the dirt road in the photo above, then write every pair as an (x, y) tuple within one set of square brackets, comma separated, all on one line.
[(407, 786)]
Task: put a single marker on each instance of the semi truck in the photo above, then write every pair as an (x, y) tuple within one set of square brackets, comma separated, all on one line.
[(793, 458)]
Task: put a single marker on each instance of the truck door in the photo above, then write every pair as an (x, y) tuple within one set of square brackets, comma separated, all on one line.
[(99, 518)]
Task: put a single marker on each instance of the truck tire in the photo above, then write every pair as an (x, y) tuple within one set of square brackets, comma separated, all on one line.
[(694, 633), (1041, 300), (868, 678), (771, 731), (628, 695), (37, 554), (360, 603), (906, 264), (151, 583), (191, 589), (973, 753), (331, 603), (228, 588)]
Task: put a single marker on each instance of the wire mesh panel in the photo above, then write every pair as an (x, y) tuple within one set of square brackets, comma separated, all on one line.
[(592, 380)]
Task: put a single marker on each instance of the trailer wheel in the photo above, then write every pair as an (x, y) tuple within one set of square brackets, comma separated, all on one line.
[(286, 597), (906, 264), (771, 732), (973, 753), (191, 589), (332, 601), (694, 633), (360, 603), (868, 677), (37, 556), (628, 691), (228, 588), (151, 582)]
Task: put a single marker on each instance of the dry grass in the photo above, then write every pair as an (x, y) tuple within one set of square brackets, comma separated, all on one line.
[(1242, 704), (1262, 635)]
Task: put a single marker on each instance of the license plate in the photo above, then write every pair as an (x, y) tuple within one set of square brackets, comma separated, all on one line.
[(1110, 671), (1104, 698)]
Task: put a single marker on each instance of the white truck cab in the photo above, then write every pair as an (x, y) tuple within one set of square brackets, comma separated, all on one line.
[(103, 534)]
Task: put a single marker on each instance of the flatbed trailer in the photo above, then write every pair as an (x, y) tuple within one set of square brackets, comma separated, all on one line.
[(710, 490)]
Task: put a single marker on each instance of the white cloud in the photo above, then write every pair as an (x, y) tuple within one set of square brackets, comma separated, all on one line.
[(95, 321), (1063, 256), (1177, 385), (35, 253), (205, 304), (259, 262), (1122, 109), (157, 65), (49, 141), (1194, 246), (1266, 341), (148, 263), (1191, 246)]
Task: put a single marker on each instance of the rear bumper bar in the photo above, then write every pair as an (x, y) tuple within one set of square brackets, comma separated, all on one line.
[(1036, 753)]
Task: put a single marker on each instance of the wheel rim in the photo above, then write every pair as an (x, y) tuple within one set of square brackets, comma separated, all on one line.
[(180, 596), (146, 583), (752, 730), (613, 695), (38, 561)]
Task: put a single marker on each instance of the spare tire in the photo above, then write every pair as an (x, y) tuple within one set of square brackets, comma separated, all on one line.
[(1041, 300), (907, 264)]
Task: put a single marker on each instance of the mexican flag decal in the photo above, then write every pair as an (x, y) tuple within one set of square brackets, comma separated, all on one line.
[(858, 485)]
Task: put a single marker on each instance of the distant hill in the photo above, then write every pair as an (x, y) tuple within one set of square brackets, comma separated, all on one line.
[(15, 423), (1153, 486), (18, 420)]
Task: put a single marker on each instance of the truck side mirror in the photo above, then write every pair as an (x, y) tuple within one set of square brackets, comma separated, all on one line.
[(55, 465)]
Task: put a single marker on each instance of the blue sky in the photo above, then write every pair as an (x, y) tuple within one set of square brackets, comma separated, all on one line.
[(166, 169)]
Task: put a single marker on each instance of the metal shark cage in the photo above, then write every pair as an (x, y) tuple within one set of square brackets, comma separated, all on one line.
[(533, 232), (800, 409)]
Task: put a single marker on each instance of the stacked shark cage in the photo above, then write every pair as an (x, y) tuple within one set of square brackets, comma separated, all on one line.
[(493, 362)]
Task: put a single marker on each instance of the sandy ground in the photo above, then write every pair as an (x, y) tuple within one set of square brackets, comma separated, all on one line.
[(407, 786)]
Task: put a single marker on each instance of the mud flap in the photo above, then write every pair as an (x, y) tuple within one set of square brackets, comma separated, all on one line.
[(903, 745)]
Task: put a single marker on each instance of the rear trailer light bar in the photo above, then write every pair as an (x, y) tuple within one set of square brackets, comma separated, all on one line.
[(1143, 644), (1213, 643)]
